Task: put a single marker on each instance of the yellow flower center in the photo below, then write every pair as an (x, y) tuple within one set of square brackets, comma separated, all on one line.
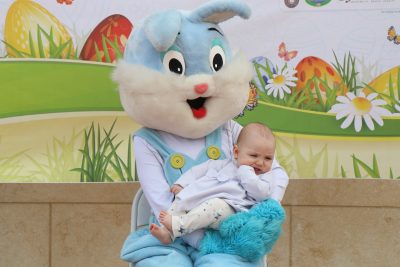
[(362, 104), (279, 79)]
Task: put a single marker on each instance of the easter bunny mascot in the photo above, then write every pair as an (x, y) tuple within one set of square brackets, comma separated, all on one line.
[(180, 80)]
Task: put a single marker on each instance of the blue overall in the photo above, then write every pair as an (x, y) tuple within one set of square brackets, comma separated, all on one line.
[(145, 250)]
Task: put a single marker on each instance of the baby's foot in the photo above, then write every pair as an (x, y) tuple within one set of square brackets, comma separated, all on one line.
[(166, 220), (161, 234)]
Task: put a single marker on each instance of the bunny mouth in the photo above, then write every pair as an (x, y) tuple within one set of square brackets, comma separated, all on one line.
[(197, 106)]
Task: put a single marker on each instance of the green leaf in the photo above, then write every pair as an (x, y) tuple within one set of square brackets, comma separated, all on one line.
[(375, 167), (31, 45), (105, 49), (357, 173), (98, 55), (40, 42), (16, 51), (57, 53)]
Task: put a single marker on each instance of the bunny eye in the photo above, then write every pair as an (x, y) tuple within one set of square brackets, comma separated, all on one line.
[(174, 62), (217, 58)]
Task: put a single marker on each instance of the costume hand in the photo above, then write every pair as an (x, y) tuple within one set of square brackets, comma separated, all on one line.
[(175, 189)]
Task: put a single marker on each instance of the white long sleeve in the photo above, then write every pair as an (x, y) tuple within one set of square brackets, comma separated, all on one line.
[(192, 174), (271, 184), (258, 187), (151, 176), (279, 175)]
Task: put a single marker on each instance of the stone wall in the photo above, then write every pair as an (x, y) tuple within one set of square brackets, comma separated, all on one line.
[(330, 222)]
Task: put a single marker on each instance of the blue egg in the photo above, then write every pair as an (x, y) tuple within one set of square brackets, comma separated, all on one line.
[(263, 70)]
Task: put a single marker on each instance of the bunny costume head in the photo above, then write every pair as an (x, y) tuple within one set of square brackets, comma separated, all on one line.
[(179, 74)]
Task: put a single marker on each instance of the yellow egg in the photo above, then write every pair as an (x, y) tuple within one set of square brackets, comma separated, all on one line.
[(381, 84), (24, 17)]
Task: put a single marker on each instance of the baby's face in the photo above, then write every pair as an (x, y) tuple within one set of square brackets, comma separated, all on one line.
[(256, 151)]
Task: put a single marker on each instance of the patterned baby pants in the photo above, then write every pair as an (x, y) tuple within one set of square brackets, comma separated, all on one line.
[(208, 214)]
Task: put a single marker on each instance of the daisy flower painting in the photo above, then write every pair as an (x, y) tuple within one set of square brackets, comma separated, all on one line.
[(280, 83), (359, 108)]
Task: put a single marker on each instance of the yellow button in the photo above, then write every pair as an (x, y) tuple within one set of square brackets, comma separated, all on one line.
[(177, 161), (213, 152)]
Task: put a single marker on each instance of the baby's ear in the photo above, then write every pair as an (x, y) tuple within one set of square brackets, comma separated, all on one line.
[(162, 28), (219, 11), (235, 151)]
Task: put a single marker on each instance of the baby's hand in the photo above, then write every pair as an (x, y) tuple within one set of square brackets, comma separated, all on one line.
[(175, 189)]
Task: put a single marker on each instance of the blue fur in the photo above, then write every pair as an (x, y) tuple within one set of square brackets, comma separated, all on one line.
[(183, 30), (162, 37), (205, 12), (250, 234)]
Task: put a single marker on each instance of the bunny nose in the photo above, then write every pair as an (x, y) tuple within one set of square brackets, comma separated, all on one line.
[(201, 88)]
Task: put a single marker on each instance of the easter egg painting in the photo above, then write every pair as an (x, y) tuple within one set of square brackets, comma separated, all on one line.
[(315, 74), (386, 84), (32, 31), (107, 40)]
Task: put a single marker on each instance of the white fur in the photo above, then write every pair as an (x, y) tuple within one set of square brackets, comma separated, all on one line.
[(158, 100)]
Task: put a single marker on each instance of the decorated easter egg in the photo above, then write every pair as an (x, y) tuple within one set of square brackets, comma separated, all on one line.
[(107, 40), (32, 31), (313, 73), (384, 82)]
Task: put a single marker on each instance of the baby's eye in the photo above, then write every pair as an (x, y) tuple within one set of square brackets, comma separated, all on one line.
[(174, 62)]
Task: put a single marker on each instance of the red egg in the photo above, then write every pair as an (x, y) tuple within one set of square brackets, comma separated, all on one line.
[(107, 40)]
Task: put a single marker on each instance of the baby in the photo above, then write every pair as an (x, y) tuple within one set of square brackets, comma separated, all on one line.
[(208, 193)]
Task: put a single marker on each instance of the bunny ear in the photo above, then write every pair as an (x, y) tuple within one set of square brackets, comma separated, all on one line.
[(219, 11), (162, 28)]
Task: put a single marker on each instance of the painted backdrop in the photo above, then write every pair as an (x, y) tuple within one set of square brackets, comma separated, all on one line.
[(326, 80)]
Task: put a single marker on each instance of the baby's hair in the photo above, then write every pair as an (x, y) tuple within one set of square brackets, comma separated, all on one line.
[(260, 128)]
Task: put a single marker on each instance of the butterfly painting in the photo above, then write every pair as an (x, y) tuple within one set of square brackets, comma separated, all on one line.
[(286, 55), (67, 2), (393, 36)]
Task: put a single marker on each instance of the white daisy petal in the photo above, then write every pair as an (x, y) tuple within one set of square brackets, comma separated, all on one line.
[(286, 89), (361, 94), (337, 107), (281, 93), (351, 95), (346, 123), (357, 123), (268, 86), (343, 99), (342, 114), (372, 96), (291, 78), (275, 92), (381, 111), (289, 83), (270, 91), (376, 117), (369, 122), (378, 102)]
